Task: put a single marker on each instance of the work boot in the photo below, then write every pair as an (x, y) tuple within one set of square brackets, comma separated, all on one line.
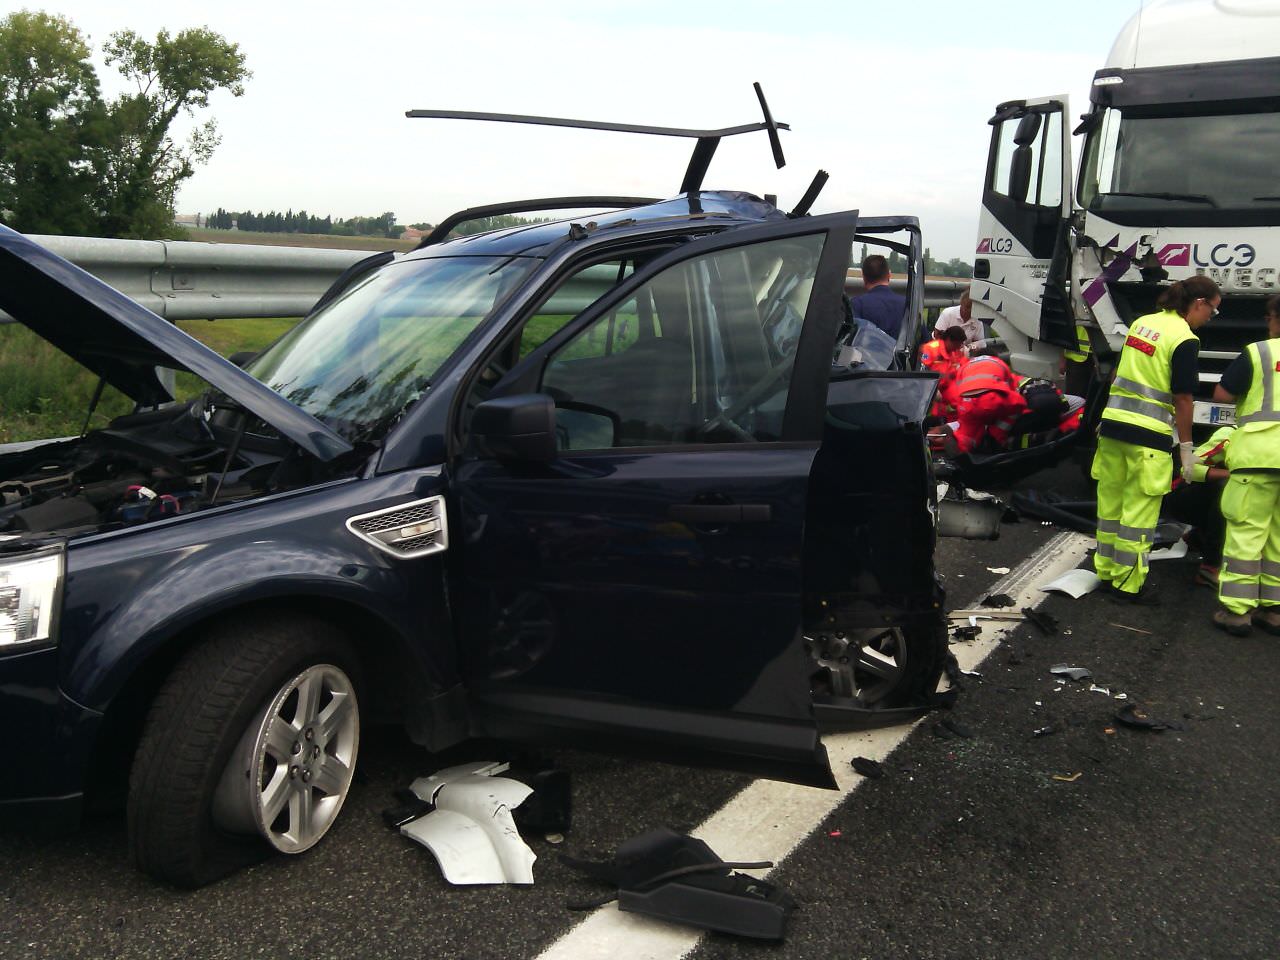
[(1146, 597), (1236, 624), (1268, 618)]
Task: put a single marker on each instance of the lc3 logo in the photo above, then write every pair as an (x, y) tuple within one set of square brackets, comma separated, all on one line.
[(995, 245), (1206, 255)]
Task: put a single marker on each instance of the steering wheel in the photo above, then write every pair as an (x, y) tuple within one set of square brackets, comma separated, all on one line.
[(726, 418)]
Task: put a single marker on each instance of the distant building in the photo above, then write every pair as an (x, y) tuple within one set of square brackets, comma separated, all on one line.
[(413, 233), (188, 220)]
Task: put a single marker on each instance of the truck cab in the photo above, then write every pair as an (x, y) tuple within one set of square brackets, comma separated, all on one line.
[(1176, 177)]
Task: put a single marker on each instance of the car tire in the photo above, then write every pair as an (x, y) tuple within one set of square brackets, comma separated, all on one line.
[(195, 811)]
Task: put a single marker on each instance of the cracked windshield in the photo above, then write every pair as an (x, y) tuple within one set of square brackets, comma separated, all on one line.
[(358, 364)]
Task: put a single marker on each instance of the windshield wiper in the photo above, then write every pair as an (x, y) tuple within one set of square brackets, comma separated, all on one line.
[(1192, 197)]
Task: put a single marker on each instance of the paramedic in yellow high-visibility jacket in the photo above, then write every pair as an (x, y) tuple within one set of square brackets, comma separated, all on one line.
[(1150, 395), (1249, 582)]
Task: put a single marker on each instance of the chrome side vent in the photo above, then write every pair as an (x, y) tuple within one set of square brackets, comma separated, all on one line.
[(410, 530)]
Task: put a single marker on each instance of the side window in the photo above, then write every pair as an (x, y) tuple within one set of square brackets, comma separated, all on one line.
[(1028, 160), (570, 298), (702, 353)]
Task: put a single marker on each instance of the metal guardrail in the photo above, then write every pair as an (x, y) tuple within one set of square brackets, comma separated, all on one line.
[(184, 280)]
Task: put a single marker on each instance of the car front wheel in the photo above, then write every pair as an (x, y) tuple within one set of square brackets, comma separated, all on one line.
[(249, 747)]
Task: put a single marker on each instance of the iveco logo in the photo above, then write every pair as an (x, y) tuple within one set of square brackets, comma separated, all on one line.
[(995, 245)]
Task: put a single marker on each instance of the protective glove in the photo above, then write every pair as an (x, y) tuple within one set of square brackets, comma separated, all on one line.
[(1187, 455)]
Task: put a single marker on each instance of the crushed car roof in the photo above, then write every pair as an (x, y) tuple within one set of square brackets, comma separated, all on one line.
[(537, 239)]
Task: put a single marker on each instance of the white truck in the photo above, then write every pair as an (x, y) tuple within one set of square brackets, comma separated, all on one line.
[(1179, 175)]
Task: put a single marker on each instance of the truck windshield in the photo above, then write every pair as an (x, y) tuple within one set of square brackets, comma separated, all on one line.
[(360, 362), (1169, 166)]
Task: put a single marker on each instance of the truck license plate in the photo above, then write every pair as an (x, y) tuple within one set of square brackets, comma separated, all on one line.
[(1214, 414)]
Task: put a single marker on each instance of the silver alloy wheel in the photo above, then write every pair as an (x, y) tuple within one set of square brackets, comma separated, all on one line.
[(290, 774), (866, 664)]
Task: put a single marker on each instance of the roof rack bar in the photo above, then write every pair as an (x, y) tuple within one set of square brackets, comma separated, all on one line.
[(445, 227), (703, 151), (593, 124)]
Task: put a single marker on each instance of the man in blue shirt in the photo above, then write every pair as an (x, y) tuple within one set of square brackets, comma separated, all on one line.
[(878, 303)]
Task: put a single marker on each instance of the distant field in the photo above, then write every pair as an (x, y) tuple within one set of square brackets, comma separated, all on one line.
[(299, 240), (44, 393)]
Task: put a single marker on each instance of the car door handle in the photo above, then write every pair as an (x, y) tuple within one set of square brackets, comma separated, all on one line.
[(713, 513)]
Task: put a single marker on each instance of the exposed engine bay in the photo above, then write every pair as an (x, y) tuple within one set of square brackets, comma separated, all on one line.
[(145, 467)]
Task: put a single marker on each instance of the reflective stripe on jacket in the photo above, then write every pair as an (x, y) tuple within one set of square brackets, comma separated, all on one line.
[(1257, 441), (985, 373), (1083, 348), (1140, 394)]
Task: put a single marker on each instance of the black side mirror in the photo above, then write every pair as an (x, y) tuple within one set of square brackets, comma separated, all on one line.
[(519, 427), (1028, 128), (1020, 174)]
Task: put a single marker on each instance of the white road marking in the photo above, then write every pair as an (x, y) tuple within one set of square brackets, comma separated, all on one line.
[(767, 820)]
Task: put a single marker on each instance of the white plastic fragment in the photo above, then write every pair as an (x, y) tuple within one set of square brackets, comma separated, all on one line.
[(1074, 583), (1121, 696), (425, 788), (1074, 673), (1175, 551), (1001, 571), (1094, 688), (471, 831)]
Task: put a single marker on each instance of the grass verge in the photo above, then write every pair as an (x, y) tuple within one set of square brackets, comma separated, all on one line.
[(44, 393)]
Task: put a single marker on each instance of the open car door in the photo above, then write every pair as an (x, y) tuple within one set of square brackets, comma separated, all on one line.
[(1020, 270), (641, 582)]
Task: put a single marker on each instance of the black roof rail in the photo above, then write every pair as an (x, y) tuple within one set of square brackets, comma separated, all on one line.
[(445, 227), (703, 150)]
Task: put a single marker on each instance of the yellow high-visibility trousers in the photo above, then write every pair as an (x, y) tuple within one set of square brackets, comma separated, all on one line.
[(1132, 481), (1250, 575)]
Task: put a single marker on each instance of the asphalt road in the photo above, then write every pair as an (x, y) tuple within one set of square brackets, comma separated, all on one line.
[(1166, 844)]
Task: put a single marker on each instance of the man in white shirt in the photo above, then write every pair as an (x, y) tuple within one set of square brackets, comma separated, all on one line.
[(961, 316)]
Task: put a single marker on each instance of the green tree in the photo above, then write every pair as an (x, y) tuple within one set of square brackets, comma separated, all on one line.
[(173, 75), (52, 124)]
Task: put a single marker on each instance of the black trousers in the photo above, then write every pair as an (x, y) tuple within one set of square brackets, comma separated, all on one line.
[(1200, 504)]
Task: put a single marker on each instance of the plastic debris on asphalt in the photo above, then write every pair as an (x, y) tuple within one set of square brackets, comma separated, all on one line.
[(1175, 551), (1046, 623), (1074, 583), (469, 817), (1094, 688), (1001, 571), (1061, 778), (1044, 731), (867, 767), (670, 876), (997, 600), (1073, 673), (1135, 717)]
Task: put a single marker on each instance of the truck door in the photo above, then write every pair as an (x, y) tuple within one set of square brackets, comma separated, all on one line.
[(1020, 270), (643, 585)]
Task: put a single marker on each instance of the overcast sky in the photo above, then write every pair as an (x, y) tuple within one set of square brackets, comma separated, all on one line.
[(891, 99)]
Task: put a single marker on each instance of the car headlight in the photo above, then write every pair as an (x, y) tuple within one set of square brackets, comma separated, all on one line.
[(30, 590)]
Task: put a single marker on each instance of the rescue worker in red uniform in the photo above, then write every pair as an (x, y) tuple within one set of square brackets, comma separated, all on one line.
[(989, 404), (944, 355), (1249, 582), (1151, 393)]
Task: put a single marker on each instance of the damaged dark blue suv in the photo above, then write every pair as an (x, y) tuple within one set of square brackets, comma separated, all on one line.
[(594, 482)]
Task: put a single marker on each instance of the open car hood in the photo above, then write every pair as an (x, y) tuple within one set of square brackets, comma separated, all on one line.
[(123, 342)]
